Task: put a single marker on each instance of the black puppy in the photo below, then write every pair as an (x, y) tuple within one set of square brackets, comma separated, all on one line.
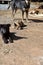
[(4, 29)]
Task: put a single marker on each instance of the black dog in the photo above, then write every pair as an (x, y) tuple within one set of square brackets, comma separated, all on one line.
[(4, 29), (19, 4)]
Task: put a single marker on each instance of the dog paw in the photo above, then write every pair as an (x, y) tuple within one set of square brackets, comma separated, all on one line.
[(10, 40), (5, 41)]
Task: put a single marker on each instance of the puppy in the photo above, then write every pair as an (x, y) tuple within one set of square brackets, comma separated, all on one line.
[(4, 30), (19, 25), (24, 6), (36, 12)]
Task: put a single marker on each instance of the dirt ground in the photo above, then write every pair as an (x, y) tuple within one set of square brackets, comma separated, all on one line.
[(27, 48)]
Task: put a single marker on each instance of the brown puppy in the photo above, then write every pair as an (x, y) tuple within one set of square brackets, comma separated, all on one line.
[(19, 25)]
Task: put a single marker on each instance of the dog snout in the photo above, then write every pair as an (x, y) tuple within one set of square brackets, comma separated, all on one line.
[(3, 31)]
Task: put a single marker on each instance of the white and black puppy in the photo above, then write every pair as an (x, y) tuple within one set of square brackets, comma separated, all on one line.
[(5, 33)]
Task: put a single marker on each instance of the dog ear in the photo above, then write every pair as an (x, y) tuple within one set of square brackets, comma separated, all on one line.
[(1, 25), (8, 25), (15, 24)]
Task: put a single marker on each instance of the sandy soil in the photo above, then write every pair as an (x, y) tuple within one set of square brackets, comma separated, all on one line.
[(27, 48)]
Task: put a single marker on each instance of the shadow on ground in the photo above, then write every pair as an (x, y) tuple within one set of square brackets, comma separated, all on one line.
[(15, 37), (36, 20)]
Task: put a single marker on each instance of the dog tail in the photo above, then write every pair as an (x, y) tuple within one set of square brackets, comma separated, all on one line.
[(8, 7)]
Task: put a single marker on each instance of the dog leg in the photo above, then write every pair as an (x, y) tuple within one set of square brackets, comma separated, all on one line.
[(26, 15), (12, 12), (22, 15), (10, 39)]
